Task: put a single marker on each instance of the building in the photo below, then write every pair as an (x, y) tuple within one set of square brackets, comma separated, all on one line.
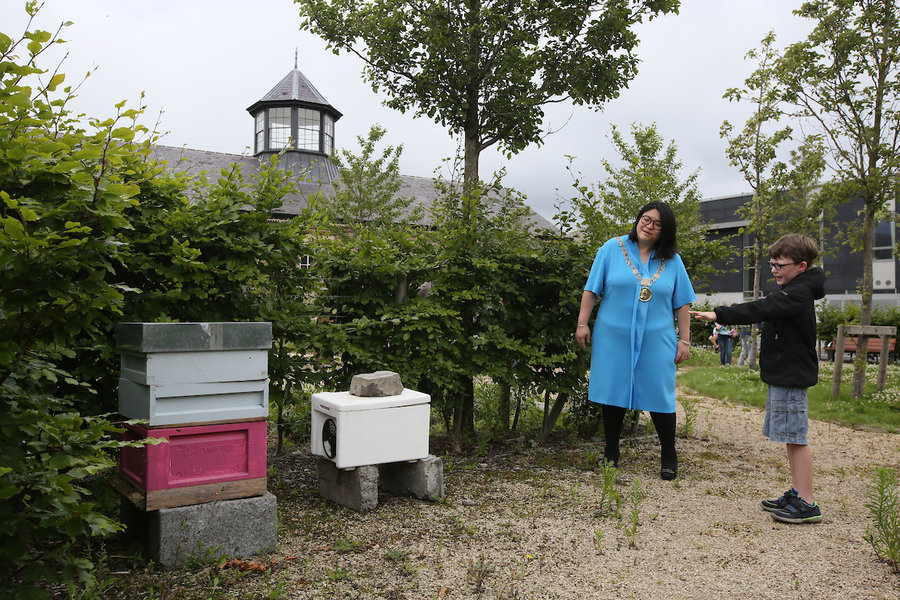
[(733, 281), (295, 122)]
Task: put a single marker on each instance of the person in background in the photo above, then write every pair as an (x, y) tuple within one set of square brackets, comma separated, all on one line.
[(724, 335), (788, 363), (640, 281)]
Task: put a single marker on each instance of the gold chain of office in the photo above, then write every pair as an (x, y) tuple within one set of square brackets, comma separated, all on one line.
[(646, 292)]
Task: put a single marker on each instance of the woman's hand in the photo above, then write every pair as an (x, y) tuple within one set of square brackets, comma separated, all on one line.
[(704, 315), (582, 331), (682, 353), (583, 335)]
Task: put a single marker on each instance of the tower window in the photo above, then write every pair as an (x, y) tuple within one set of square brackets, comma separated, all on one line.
[(329, 135), (308, 124), (260, 130), (279, 128)]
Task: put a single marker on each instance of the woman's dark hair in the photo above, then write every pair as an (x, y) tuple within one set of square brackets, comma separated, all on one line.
[(665, 246)]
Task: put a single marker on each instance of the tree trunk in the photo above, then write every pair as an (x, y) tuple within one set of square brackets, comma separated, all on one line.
[(464, 418), (457, 424), (551, 417), (472, 148), (865, 311), (757, 284), (515, 423)]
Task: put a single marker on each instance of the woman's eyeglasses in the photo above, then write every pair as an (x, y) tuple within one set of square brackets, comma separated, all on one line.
[(779, 266), (648, 222)]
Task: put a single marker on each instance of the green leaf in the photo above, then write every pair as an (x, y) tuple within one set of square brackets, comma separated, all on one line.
[(13, 228), (55, 81)]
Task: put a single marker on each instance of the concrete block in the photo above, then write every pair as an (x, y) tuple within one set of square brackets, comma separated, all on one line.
[(376, 385), (423, 479), (356, 488), (205, 532)]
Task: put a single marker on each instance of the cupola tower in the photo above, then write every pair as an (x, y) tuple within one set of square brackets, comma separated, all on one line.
[(296, 119)]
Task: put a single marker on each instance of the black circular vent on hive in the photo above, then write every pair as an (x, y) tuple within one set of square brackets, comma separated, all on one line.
[(329, 438)]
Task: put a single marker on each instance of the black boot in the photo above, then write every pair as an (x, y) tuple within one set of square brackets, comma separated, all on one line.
[(613, 417), (665, 429)]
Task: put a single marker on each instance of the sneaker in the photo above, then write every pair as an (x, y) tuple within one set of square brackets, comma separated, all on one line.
[(780, 503), (798, 511)]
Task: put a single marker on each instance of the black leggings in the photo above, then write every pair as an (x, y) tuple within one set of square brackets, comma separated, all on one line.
[(614, 416)]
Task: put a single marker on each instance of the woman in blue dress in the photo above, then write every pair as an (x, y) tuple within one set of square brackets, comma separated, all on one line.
[(641, 281)]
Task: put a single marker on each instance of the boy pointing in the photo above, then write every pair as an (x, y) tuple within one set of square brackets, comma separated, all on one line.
[(788, 363)]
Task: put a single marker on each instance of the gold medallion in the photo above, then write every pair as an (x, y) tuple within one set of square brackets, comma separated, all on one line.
[(646, 293)]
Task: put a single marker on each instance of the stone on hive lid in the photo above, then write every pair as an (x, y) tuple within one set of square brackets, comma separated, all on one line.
[(376, 385)]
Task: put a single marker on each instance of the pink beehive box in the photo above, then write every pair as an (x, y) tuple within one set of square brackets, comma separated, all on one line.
[(196, 464)]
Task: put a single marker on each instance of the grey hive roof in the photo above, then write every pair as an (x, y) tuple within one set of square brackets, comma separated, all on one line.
[(295, 87)]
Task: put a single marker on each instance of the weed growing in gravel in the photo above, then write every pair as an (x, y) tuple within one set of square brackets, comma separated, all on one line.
[(575, 492), (884, 504), (689, 404), (636, 495), (275, 589), (458, 526), (338, 573), (346, 546), (397, 554), (598, 540), (476, 573), (591, 459), (610, 498)]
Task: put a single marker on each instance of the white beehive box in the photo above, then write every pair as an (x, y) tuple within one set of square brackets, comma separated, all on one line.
[(189, 373), (354, 431)]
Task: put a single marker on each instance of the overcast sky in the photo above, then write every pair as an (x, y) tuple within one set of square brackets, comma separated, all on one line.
[(203, 62)]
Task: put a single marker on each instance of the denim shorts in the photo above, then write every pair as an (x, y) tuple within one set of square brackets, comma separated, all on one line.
[(787, 419)]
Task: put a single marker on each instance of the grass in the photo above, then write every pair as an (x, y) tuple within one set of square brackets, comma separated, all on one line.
[(876, 410)]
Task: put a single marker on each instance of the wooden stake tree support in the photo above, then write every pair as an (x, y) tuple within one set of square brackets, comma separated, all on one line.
[(864, 332)]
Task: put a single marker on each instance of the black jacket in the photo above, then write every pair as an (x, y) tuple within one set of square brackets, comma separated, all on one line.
[(788, 346)]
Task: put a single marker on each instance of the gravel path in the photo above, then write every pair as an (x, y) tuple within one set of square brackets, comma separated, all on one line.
[(525, 522)]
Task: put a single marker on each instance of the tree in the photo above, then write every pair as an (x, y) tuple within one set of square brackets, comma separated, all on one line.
[(780, 202), (92, 233), (62, 198), (844, 80), (485, 69), (365, 193), (650, 171)]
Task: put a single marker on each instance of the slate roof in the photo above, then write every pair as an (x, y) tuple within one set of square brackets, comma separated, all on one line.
[(197, 162), (295, 87)]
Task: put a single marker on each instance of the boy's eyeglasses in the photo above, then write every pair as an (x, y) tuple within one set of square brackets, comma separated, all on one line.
[(779, 266)]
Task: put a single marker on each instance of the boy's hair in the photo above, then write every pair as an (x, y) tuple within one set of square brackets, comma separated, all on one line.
[(796, 247)]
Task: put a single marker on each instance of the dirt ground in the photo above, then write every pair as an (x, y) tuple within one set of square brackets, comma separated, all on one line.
[(525, 521)]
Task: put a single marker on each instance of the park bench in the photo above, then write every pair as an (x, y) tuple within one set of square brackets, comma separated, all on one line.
[(851, 347)]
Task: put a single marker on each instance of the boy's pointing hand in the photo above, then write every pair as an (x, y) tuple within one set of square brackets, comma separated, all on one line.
[(704, 315)]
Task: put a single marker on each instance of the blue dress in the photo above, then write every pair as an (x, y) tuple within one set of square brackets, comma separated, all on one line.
[(634, 343)]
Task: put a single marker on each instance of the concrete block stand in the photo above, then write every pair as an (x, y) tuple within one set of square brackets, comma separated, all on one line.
[(358, 488), (205, 532), (422, 479), (354, 488)]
